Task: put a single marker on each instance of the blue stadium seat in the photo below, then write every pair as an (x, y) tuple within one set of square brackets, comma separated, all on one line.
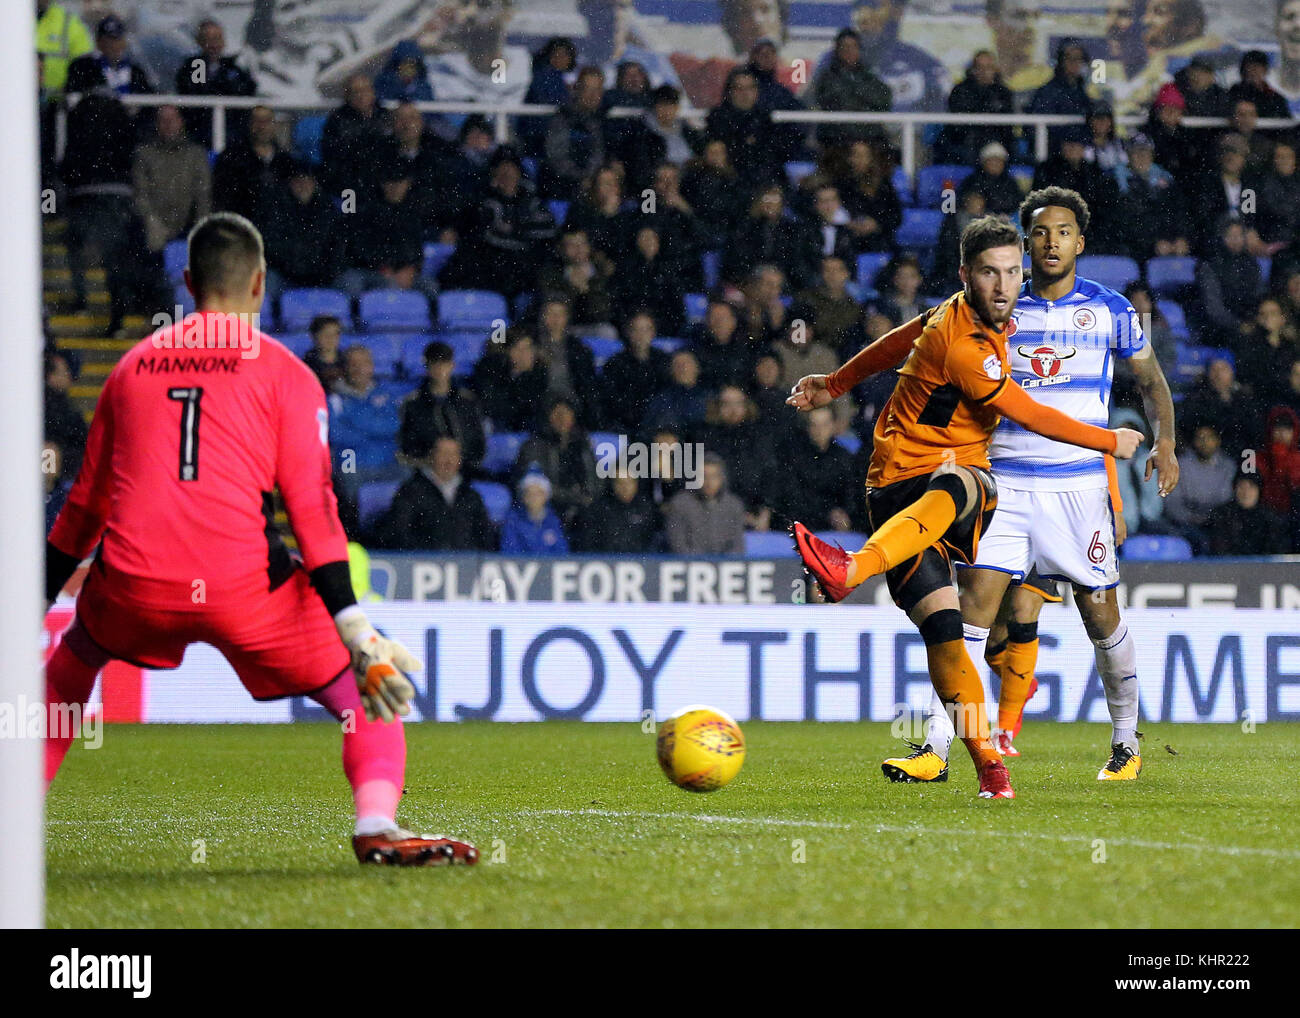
[(521, 305), (390, 309), (529, 164), (184, 298), (466, 344), (410, 347), (602, 347), (920, 229), (849, 540), (298, 342), (1173, 312), (374, 498), (711, 266), (902, 184), (669, 344), (1166, 276), (435, 257), (386, 349), (697, 306), (307, 131), (768, 544), (932, 180), (1156, 548), (175, 255), (1023, 174), (464, 309), (599, 438), (1191, 361), (502, 451), (496, 497), (1114, 271), (795, 172), (559, 209), (1265, 266), (299, 307), (869, 266), (850, 440)]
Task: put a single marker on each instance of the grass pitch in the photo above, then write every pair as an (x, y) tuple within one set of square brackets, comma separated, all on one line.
[(234, 826)]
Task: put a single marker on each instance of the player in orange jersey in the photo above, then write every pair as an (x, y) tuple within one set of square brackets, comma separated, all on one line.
[(929, 490)]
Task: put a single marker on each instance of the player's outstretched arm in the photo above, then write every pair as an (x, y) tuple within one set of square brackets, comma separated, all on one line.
[(814, 391), (1159, 406), (1049, 422)]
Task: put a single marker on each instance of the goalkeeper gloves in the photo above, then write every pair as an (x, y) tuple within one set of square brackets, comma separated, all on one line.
[(377, 664)]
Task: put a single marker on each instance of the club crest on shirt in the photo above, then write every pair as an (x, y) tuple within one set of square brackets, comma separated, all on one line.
[(1085, 319), (1046, 360)]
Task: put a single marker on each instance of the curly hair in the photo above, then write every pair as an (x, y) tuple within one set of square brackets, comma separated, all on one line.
[(1061, 197)]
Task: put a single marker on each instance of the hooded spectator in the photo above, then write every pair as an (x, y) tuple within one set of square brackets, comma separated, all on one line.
[(1279, 463), (531, 526)]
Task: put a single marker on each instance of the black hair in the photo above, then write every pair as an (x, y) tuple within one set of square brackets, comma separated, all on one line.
[(1061, 197), (225, 249)]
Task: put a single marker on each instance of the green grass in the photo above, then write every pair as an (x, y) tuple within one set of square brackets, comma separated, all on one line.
[(592, 834)]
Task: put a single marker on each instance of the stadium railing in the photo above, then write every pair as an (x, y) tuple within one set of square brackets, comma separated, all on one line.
[(907, 124)]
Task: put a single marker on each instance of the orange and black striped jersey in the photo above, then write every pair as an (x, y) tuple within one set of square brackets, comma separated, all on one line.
[(940, 410)]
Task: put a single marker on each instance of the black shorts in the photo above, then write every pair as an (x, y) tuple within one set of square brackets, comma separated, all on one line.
[(1046, 589), (931, 570)]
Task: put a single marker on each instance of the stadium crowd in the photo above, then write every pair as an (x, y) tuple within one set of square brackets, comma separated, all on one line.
[(489, 319)]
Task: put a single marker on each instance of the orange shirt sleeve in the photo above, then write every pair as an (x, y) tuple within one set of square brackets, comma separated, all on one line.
[(1015, 403), (884, 353), (1112, 482)]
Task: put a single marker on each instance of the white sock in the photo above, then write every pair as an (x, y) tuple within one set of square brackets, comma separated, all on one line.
[(977, 640), (373, 825), (939, 731), (1117, 665)]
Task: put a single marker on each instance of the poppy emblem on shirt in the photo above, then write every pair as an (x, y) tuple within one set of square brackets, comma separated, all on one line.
[(1085, 319), (1046, 360)]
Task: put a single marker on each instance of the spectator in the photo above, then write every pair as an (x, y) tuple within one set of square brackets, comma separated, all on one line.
[(304, 237), (251, 170), (352, 139), (801, 353), (323, 358), (172, 181), (570, 366), (747, 447), (61, 37), (64, 425), (552, 65), (1203, 95), (1229, 286), (502, 235), (578, 277), (468, 167), (1279, 463), (511, 382), (1066, 94), (405, 77), (1259, 145), (1155, 326), (724, 351), (1204, 483), (363, 423), (1147, 208), (633, 377), (1068, 168), (631, 86), (831, 223), (1143, 505), (768, 237), (711, 186), (709, 520), (767, 392), (864, 186), (56, 480), (1244, 526), (817, 486), (385, 248), (1104, 148), (1264, 352), (899, 284), (764, 314), (439, 408), (1221, 192), (531, 527), (1220, 402), (981, 91), (683, 402), (1176, 151), (1254, 87), (211, 72), (423, 155), (575, 137), (681, 233), (596, 213), (745, 127), (1278, 220), (436, 509), (658, 136), (623, 521), (944, 273), (561, 451), (830, 307), (668, 467), (847, 85), (109, 68), (1291, 396), (774, 94), (1001, 191), (646, 279)]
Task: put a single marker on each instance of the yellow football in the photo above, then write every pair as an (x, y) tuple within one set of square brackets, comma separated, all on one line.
[(700, 748)]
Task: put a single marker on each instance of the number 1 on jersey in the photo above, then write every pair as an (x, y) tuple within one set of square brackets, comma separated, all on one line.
[(189, 452)]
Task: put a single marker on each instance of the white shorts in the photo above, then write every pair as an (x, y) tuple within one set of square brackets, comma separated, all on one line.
[(1068, 535)]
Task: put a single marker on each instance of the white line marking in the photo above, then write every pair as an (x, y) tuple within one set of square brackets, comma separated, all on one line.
[(712, 818)]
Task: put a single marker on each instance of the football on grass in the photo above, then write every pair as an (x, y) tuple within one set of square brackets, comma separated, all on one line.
[(700, 749)]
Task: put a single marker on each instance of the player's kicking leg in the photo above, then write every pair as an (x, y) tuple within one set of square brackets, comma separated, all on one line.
[(927, 520)]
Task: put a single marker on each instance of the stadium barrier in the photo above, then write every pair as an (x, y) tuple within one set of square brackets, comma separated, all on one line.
[(908, 125)]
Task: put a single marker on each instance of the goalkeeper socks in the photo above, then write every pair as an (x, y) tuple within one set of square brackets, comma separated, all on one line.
[(908, 532), (1117, 665), (374, 753), (1017, 674), (69, 678)]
